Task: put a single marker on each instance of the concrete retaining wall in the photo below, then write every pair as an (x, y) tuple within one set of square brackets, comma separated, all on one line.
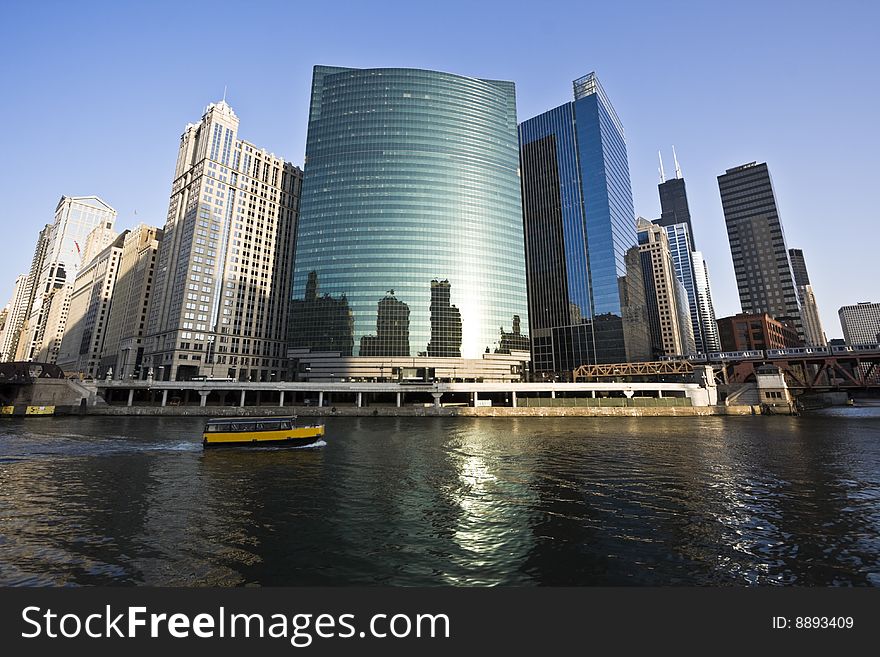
[(428, 411), (49, 392)]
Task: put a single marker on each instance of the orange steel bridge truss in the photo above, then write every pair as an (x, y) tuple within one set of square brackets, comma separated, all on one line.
[(623, 370)]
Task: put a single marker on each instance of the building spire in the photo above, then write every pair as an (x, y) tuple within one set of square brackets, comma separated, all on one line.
[(224, 93), (662, 174), (677, 168)]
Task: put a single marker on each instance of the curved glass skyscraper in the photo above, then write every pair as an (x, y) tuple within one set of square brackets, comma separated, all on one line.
[(410, 235)]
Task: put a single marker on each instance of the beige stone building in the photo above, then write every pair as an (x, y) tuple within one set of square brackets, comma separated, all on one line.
[(90, 300), (56, 305), (122, 351), (222, 284), (669, 314), (814, 334)]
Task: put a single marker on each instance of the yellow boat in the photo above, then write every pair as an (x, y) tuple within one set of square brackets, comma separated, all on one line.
[(260, 432)]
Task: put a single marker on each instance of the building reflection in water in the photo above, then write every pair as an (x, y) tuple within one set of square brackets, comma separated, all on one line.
[(464, 501), (497, 506)]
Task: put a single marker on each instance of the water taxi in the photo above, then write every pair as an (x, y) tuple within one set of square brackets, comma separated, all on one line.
[(260, 432)]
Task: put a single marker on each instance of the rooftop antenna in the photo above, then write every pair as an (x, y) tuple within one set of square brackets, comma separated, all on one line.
[(677, 168), (224, 93), (662, 174)]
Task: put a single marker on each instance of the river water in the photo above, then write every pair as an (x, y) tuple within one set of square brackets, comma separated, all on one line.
[(446, 501)]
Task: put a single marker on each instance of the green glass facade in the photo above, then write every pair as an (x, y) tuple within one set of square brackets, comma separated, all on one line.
[(410, 235)]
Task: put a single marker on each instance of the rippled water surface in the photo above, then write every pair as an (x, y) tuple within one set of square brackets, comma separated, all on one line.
[(446, 501)]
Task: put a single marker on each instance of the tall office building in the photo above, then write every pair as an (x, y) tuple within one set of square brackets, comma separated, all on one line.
[(57, 259), (711, 341), (757, 244), (668, 311), (222, 285), (56, 309), (860, 323), (799, 267), (674, 207), (681, 249), (813, 331), (90, 300), (675, 217), (16, 309), (586, 292), (21, 349), (123, 351), (409, 245)]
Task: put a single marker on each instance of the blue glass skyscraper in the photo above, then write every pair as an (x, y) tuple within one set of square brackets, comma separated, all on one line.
[(586, 293), (410, 239)]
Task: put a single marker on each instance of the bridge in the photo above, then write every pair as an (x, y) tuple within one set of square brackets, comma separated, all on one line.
[(805, 369), (811, 372)]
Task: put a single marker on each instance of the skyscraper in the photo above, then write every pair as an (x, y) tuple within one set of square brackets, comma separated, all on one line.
[(757, 244), (14, 319), (586, 292), (676, 219), (57, 259), (123, 351), (90, 300), (799, 267), (860, 323), (813, 332), (221, 293), (711, 341), (411, 201), (21, 348), (674, 207), (668, 311), (681, 250)]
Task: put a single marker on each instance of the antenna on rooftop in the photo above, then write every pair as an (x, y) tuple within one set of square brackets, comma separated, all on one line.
[(677, 168), (662, 174), (224, 93)]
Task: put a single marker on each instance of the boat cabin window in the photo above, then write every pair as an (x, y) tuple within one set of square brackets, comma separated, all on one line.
[(265, 425)]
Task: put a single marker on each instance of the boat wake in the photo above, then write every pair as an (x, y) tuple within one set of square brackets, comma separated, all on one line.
[(315, 445)]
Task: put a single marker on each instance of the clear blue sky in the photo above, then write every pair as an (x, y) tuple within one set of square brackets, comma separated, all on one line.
[(96, 95)]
